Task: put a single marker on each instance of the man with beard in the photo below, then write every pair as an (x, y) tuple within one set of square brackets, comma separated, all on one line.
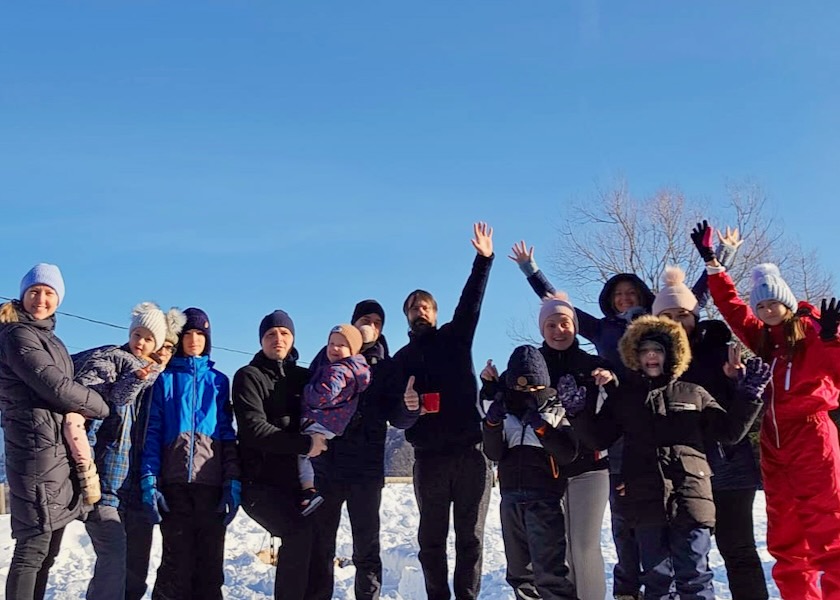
[(434, 376)]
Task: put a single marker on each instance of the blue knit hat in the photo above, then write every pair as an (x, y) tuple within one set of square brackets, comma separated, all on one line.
[(279, 318), (527, 368), (767, 284), (43, 274), (196, 319)]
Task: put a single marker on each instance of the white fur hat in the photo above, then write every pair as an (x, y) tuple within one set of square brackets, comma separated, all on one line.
[(150, 316)]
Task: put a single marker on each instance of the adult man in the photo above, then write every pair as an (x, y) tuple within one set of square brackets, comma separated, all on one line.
[(434, 375), (267, 401), (353, 471)]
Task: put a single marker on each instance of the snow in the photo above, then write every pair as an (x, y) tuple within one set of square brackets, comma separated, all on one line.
[(248, 578)]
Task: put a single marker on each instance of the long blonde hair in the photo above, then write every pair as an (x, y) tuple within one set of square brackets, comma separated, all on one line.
[(9, 313)]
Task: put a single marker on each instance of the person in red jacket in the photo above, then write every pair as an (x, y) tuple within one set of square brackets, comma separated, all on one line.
[(800, 455)]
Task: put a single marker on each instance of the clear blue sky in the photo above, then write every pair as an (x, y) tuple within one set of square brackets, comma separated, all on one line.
[(243, 157)]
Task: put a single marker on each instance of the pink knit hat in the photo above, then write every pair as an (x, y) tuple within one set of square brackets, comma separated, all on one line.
[(674, 293), (558, 304)]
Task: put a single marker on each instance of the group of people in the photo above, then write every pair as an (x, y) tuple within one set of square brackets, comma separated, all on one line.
[(149, 432)]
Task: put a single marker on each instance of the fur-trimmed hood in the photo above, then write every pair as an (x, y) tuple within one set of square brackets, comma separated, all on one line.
[(677, 348)]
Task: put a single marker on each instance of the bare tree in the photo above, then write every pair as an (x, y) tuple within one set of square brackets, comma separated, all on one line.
[(618, 233)]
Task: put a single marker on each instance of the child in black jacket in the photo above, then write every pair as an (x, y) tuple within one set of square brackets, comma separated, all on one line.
[(666, 423), (526, 432)]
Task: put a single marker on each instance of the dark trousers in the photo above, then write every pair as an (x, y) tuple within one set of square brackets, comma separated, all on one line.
[(363, 501), (460, 481), (534, 533), (736, 542), (138, 533), (193, 544), (30, 566), (276, 510), (675, 558), (628, 565)]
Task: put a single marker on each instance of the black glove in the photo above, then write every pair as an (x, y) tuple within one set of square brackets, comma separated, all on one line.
[(702, 238), (497, 412), (829, 318), (533, 418), (754, 377)]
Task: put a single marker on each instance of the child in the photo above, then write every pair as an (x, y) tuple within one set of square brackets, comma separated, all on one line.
[(119, 374), (526, 433), (330, 399), (190, 468), (800, 456), (666, 424)]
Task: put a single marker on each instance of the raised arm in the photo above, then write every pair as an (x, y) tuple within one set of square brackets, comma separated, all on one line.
[(727, 249), (465, 319), (28, 359), (254, 430)]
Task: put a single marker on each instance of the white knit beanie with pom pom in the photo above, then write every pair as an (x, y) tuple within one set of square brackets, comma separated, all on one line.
[(767, 284), (675, 293), (150, 316)]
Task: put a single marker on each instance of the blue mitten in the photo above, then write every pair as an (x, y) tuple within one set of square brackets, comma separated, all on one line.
[(231, 500), (153, 500), (571, 396)]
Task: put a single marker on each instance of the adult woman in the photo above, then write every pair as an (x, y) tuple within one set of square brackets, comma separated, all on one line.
[(36, 391)]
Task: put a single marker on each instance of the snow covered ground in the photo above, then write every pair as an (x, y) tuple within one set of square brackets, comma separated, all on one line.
[(248, 578)]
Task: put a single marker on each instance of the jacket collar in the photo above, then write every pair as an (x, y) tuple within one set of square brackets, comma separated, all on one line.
[(47, 324), (275, 368), (190, 364)]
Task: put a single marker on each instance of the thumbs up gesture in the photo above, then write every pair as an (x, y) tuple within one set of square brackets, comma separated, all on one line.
[(411, 398)]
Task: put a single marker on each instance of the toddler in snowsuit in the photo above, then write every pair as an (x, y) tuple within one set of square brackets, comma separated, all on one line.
[(119, 374), (330, 400), (666, 424), (526, 432)]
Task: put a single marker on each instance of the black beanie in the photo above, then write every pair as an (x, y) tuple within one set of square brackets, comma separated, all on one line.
[(279, 318), (196, 319), (526, 368), (367, 307)]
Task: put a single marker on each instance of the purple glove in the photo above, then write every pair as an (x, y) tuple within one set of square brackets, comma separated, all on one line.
[(497, 412), (702, 238), (572, 397), (754, 377)]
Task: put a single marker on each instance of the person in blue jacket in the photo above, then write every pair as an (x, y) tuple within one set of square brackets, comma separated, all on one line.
[(190, 467)]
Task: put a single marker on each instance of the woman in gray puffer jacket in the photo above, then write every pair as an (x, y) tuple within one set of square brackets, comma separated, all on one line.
[(36, 391)]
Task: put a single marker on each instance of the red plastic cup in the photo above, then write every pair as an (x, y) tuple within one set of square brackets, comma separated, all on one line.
[(431, 402)]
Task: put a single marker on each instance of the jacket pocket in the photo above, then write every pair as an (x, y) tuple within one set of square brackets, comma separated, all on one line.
[(697, 477)]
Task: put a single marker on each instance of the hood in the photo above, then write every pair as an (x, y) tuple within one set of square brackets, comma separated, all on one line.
[(677, 348), (605, 299)]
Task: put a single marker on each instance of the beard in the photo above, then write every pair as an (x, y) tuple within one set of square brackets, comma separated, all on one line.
[(421, 325)]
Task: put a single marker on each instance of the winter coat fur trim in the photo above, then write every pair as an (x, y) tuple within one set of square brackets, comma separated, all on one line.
[(678, 356)]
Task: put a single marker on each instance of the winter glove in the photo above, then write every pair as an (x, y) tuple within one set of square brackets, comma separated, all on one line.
[(829, 318), (534, 419), (754, 377), (231, 499), (496, 413), (702, 238), (572, 397), (153, 500)]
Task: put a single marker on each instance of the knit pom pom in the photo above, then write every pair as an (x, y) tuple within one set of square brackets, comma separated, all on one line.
[(558, 295), (672, 276), (143, 308), (175, 321), (763, 271)]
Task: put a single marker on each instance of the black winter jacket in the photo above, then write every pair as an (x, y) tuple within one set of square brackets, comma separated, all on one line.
[(36, 391), (441, 361), (666, 427), (580, 364), (358, 455), (267, 400)]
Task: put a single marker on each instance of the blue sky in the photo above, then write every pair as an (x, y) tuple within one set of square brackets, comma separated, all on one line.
[(243, 157)]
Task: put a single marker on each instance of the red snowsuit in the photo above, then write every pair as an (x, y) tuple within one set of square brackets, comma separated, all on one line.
[(800, 456)]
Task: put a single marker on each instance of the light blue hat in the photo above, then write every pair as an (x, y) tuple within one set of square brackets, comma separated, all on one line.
[(767, 284), (43, 274)]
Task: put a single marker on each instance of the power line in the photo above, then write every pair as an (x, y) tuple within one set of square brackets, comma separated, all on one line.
[(124, 328)]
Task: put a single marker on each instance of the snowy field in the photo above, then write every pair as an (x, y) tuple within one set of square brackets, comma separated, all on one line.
[(248, 578)]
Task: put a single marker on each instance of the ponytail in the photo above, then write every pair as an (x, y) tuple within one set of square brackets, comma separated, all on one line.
[(9, 313)]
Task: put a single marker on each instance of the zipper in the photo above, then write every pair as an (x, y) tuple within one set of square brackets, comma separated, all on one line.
[(787, 376), (773, 400), (192, 433)]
